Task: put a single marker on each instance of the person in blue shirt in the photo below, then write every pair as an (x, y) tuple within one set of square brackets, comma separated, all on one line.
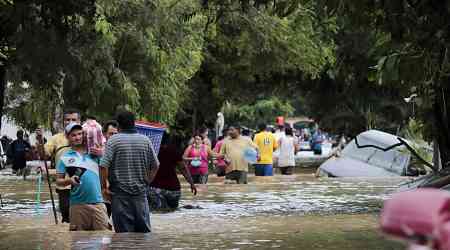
[(87, 210), (316, 142)]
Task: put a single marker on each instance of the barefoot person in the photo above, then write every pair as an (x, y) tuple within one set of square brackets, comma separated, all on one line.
[(87, 210)]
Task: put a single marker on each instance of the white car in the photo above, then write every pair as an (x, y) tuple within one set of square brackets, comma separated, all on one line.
[(358, 161)]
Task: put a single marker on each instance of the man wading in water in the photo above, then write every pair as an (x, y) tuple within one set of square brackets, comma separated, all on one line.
[(87, 210), (54, 148), (130, 163), (233, 151)]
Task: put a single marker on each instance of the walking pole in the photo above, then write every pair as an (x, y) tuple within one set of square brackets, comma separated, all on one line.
[(38, 193), (49, 185), (51, 192)]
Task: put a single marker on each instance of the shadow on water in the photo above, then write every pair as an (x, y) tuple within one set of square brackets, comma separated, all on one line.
[(284, 212)]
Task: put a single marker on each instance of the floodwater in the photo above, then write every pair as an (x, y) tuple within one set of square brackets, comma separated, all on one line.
[(280, 212)]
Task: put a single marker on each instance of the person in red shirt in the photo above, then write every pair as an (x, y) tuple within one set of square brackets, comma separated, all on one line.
[(165, 189)]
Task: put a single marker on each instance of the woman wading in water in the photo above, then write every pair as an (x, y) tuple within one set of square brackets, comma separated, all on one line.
[(196, 156)]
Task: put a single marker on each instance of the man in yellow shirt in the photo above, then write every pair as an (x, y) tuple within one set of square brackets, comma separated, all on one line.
[(232, 151), (266, 143), (54, 149)]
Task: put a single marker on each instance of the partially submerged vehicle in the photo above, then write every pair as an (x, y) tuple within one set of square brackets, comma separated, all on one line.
[(374, 153)]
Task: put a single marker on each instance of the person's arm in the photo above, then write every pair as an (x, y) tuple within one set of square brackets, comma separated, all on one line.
[(45, 148), (152, 173), (187, 175), (296, 146), (104, 174), (223, 151), (212, 154), (207, 142), (186, 154), (275, 143), (255, 146), (105, 164), (61, 179), (154, 164), (98, 150)]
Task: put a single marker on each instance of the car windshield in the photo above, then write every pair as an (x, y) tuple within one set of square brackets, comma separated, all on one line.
[(394, 160)]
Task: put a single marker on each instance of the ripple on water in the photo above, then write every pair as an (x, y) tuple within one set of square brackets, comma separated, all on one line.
[(230, 217)]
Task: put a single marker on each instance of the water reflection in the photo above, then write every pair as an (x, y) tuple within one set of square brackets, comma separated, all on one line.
[(286, 212)]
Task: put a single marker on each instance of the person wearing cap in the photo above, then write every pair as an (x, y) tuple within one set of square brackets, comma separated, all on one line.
[(56, 146), (87, 210)]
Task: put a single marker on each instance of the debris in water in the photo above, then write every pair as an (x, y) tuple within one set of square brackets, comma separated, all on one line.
[(191, 207)]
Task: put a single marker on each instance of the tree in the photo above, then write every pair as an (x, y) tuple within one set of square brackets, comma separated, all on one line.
[(262, 111), (258, 51), (34, 47), (133, 54)]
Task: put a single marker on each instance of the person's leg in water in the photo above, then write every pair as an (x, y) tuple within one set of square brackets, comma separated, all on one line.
[(14, 168), (122, 213), (164, 200), (108, 208), (239, 176), (259, 170), (242, 177), (263, 170), (155, 199), (286, 170), (130, 213), (196, 178), (64, 204), (142, 214), (203, 179), (230, 176), (172, 198), (268, 170)]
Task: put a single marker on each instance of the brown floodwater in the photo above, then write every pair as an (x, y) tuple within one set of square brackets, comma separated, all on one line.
[(280, 212)]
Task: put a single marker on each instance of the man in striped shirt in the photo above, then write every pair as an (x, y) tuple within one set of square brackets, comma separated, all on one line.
[(130, 163)]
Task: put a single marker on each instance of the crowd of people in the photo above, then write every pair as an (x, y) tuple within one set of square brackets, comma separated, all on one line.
[(111, 177)]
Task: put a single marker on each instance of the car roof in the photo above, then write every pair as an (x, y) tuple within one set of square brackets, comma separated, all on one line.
[(379, 138)]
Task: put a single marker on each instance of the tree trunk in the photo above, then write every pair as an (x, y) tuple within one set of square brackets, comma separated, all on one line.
[(58, 103), (442, 131), (3, 84), (194, 121), (436, 155)]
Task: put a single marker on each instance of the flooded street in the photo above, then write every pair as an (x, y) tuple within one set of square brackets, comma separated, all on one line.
[(281, 212)]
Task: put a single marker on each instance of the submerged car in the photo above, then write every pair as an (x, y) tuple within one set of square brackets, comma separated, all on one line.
[(358, 159)]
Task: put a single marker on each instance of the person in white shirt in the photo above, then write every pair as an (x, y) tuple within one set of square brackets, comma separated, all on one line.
[(288, 146)]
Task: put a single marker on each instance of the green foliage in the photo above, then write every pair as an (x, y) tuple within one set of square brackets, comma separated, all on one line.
[(262, 111), (414, 133), (133, 54)]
